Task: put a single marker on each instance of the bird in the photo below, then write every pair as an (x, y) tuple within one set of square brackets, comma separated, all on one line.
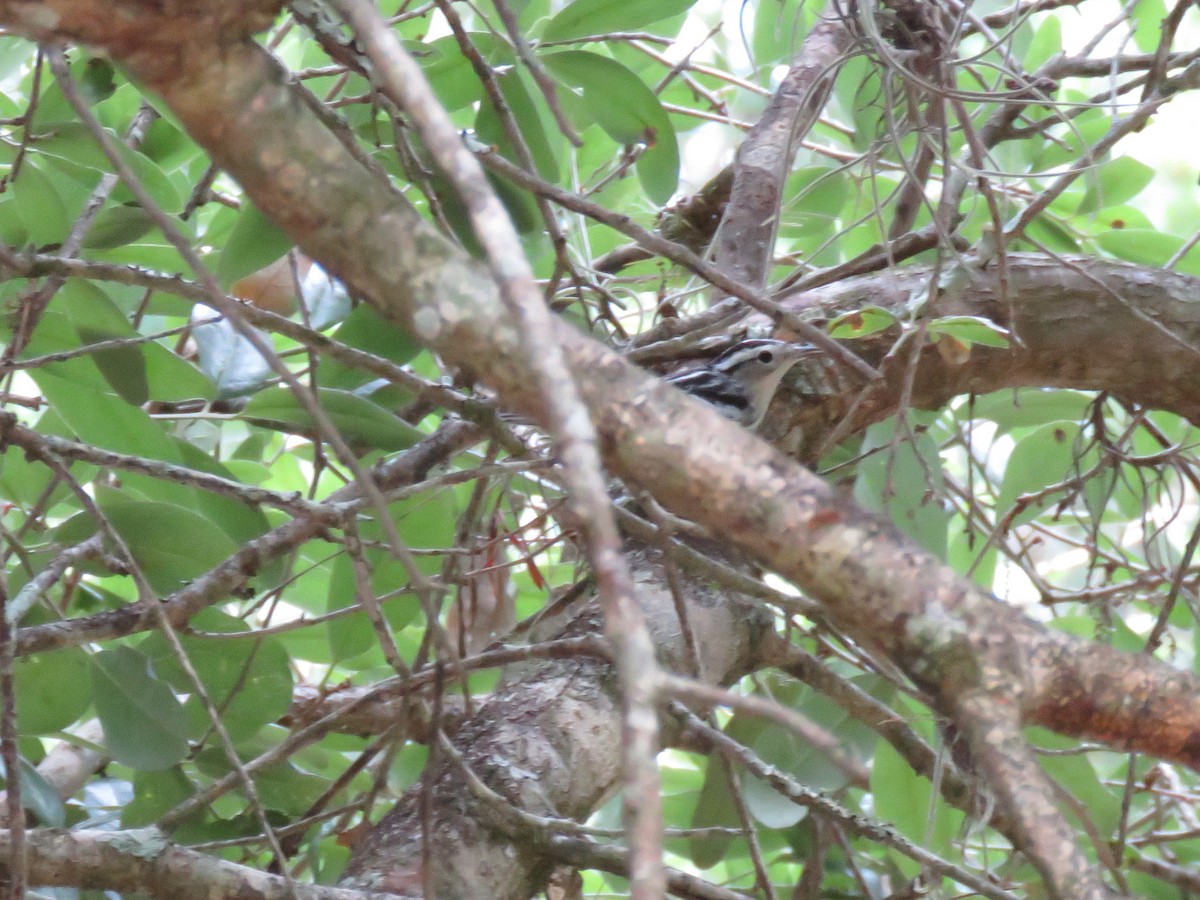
[(741, 382)]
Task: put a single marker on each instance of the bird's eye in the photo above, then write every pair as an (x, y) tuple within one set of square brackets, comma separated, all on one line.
[(766, 356)]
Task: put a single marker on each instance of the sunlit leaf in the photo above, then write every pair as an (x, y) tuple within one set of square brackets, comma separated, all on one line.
[(861, 323), (621, 104), (586, 17)]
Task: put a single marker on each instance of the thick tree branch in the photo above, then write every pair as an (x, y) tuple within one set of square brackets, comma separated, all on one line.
[(548, 742), (877, 586), (745, 242), (143, 862)]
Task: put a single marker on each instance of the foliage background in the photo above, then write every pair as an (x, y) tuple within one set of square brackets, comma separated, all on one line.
[(189, 448)]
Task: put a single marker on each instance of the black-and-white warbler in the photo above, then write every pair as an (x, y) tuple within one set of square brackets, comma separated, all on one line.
[(741, 382)]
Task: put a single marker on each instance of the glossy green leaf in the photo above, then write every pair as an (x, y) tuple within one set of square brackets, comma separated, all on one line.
[(1077, 775), (814, 197), (1029, 407), (243, 522), (1114, 183), (621, 104), (714, 809), (779, 29), (254, 243), (588, 17), (357, 419), (1047, 43), (73, 143), (144, 724), (141, 371), (861, 323), (970, 330), (1051, 236), (365, 329), (1147, 17), (425, 523), (1072, 141), (1043, 458), (1140, 245), (117, 226), (531, 118), (451, 74), (123, 367), (12, 224), (40, 206), (101, 418)]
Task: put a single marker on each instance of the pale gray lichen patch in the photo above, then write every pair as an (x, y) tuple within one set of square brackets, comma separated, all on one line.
[(934, 628), (427, 324), (144, 843)]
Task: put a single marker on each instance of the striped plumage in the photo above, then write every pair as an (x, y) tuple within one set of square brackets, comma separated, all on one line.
[(740, 382)]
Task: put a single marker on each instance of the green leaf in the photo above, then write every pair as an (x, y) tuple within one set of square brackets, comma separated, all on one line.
[(1047, 43), (714, 809), (1069, 142), (535, 128), (155, 793), (861, 323), (971, 330), (451, 74), (1114, 183), (587, 17), (353, 635), (40, 206), (243, 522), (357, 419), (117, 226), (50, 690), (1140, 245), (1076, 773), (427, 522), (139, 372), (1038, 460), (171, 545), (74, 143), (906, 799), (365, 329), (247, 678), (1147, 17), (39, 796), (1029, 407), (144, 724), (12, 225), (123, 367), (816, 196), (1051, 235), (627, 110), (98, 81), (254, 242), (779, 28), (904, 482)]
